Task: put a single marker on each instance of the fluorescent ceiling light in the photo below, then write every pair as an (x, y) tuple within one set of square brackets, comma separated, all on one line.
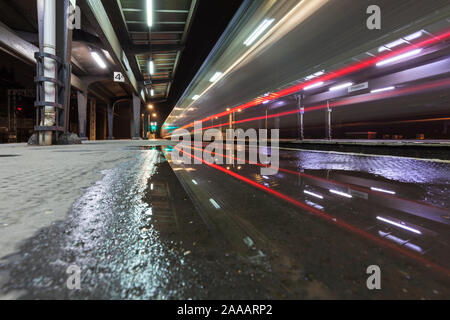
[(341, 86), (399, 225), (150, 13), (98, 59), (399, 57), (315, 85), (313, 194), (214, 203), (195, 97), (152, 92), (151, 67), (413, 36), (341, 193), (259, 30), (382, 190), (382, 89), (216, 77)]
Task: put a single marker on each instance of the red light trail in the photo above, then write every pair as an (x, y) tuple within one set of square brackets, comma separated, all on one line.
[(333, 75)]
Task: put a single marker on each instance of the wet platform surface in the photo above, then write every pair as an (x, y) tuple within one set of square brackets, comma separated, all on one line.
[(155, 229)]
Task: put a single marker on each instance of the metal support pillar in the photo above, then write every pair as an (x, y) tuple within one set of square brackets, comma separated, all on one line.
[(53, 72), (49, 47), (82, 111), (136, 118), (110, 112), (328, 121), (301, 108), (93, 120)]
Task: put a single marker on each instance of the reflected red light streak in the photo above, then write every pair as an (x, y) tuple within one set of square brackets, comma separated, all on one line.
[(337, 183), (327, 217), (333, 75)]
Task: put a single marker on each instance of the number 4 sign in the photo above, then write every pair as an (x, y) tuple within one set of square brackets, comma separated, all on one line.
[(118, 77)]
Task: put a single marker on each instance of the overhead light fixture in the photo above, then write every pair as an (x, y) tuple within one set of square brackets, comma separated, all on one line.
[(399, 57), (216, 77), (258, 31), (98, 59), (315, 85), (152, 92), (382, 89), (150, 13), (341, 86), (399, 225), (150, 107), (195, 97), (151, 67), (214, 203)]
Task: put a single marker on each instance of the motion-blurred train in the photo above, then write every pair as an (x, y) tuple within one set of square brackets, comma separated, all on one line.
[(317, 69)]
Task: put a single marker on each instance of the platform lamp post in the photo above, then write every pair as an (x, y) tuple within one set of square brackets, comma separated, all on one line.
[(328, 121)]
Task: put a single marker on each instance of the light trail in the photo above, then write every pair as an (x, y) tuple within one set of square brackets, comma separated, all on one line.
[(333, 75), (328, 217)]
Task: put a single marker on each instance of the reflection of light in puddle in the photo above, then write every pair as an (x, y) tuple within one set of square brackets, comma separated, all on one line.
[(313, 194), (382, 190), (343, 194), (314, 205), (400, 241)]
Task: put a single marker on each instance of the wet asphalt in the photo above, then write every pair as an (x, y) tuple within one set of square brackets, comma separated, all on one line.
[(136, 234)]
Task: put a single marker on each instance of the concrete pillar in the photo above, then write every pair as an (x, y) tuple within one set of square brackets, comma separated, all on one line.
[(82, 110), (136, 118), (93, 120), (110, 116)]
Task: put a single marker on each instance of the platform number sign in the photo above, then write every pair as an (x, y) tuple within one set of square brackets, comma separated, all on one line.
[(118, 77)]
